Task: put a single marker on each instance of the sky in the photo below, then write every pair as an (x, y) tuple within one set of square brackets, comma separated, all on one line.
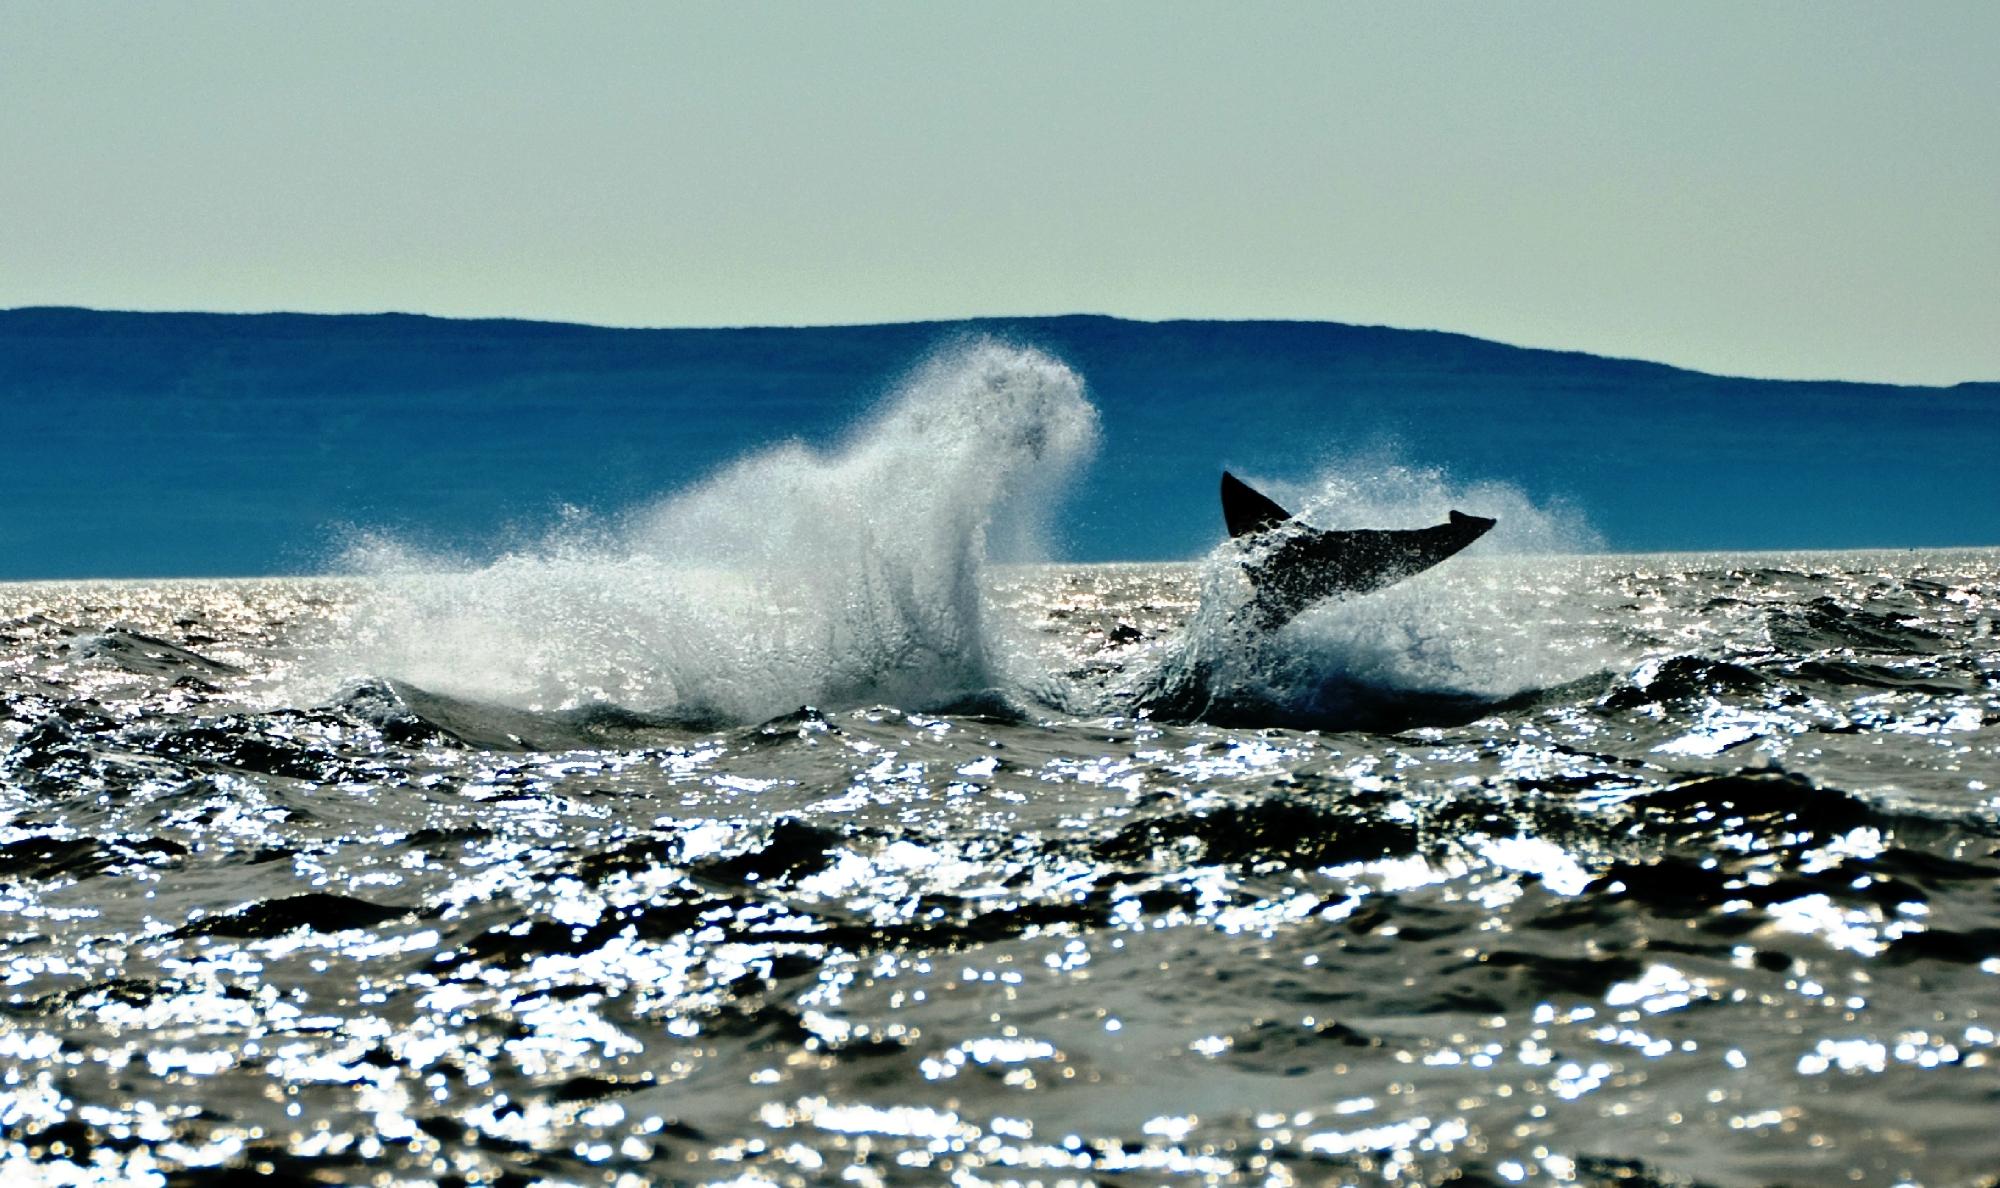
[(1772, 189)]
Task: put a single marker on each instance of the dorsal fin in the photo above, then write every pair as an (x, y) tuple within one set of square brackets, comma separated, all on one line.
[(1245, 510)]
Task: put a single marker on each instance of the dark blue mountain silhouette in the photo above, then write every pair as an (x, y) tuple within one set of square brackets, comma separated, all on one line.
[(156, 444)]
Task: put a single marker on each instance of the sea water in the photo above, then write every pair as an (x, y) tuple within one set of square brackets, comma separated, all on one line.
[(802, 828)]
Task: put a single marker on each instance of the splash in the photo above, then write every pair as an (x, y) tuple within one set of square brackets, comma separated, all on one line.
[(859, 575), (792, 577), (1440, 646)]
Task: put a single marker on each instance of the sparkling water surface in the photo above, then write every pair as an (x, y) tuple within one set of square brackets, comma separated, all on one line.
[(1599, 870)]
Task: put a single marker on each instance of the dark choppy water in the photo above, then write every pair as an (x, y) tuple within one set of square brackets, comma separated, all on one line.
[(1595, 871)]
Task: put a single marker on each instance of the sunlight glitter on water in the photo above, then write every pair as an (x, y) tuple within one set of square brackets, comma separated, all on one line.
[(1462, 934)]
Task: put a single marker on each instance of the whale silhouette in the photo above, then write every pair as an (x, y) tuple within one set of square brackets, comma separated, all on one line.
[(1292, 565)]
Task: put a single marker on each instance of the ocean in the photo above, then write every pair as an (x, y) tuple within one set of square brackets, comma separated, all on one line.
[(803, 828)]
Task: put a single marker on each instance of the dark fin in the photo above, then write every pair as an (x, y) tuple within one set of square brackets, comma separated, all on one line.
[(1460, 520), (1246, 511)]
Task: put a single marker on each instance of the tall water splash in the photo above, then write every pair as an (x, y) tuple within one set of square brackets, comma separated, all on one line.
[(794, 576), (1464, 633)]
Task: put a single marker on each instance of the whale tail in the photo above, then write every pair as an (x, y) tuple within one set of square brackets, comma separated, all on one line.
[(1247, 510), (1308, 565)]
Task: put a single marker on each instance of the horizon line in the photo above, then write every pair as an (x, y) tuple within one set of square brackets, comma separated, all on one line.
[(335, 575)]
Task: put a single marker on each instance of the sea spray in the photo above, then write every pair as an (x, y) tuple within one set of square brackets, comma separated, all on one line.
[(794, 576), (858, 575)]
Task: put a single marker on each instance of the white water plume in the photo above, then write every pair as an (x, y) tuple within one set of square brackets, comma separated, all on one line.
[(795, 576)]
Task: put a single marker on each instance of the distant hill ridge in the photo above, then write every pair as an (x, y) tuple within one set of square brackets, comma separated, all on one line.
[(190, 443)]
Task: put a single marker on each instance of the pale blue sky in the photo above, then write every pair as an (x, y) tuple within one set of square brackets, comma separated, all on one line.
[(1760, 189)]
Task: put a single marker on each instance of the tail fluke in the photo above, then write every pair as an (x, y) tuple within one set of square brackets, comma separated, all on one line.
[(1303, 565), (1246, 510)]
